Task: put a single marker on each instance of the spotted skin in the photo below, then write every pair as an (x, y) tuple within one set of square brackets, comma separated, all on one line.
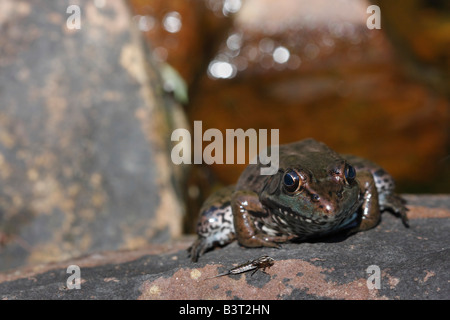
[(215, 226)]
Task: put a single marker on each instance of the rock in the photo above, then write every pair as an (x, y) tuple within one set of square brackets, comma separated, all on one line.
[(412, 263), (84, 135), (200, 27), (419, 32)]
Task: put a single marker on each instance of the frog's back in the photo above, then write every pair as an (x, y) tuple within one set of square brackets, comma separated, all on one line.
[(308, 151)]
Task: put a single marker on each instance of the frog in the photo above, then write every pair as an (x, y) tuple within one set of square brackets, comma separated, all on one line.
[(315, 193)]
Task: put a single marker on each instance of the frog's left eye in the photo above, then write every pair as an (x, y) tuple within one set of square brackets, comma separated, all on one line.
[(350, 173), (291, 181)]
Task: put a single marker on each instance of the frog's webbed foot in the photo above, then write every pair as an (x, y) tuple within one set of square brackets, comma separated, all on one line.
[(203, 244), (396, 204), (198, 248)]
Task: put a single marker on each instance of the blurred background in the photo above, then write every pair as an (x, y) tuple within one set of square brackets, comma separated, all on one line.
[(313, 68), (86, 114)]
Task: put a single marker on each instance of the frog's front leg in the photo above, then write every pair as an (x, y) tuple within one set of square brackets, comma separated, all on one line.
[(246, 206), (370, 206), (215, 226)]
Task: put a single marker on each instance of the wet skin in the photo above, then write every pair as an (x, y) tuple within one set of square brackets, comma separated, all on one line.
[(315, 192)]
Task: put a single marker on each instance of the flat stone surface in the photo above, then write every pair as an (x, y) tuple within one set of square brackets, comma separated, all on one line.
[(413, 263)]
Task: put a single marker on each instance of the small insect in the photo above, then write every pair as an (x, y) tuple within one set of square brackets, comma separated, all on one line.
[(262, 262)]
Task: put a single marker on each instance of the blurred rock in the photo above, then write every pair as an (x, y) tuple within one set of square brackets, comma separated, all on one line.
[(84, 135), (420, 34), (183, 33), (314, 69), (413, 264), (186, 35)]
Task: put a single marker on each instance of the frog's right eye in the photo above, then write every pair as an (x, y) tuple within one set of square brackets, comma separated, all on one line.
[(291, 181)]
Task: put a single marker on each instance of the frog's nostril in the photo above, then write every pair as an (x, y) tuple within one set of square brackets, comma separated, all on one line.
[(327, 209), (315, 197)]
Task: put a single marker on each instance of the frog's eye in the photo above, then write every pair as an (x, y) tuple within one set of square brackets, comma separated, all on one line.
[(350, 173), (291, 181)]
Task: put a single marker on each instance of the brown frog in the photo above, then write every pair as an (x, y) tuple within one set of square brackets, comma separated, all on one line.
[(315, 192)]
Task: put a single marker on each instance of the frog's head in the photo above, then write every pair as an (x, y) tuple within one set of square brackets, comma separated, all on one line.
[(313, 197)]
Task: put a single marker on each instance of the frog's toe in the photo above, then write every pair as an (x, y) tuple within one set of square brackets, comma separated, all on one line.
[(401, 212), (197, 249), (404, 216), (396, 204)]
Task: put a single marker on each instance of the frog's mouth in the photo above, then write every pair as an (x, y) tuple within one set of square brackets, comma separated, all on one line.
[(319, 223), (289, 215)]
